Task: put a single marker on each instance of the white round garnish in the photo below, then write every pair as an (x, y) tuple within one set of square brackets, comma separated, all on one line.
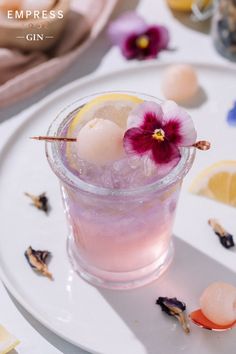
[(180, 83), (100, 141), (218, 303)]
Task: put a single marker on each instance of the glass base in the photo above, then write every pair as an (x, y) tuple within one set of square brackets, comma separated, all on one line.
[(119, 280)]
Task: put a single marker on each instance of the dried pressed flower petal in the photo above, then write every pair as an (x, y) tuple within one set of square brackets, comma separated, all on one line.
[(40, 201), (226, 239), (174, 307), (37, 261)]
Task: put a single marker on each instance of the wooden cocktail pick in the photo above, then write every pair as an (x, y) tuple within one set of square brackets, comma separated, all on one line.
[(200, 320), (53, 138), (200, 145)]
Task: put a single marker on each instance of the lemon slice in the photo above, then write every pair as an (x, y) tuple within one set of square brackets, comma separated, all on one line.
[(217, 182), (112, 106), (7, 341), (184, 5)]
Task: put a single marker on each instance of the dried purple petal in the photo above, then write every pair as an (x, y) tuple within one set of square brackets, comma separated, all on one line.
[(226, 239), (37, 260), (231, 116), (40, 201), (174, 307)]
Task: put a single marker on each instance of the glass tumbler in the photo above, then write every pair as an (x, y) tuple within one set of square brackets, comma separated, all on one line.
[(224, 28), (118, 238)]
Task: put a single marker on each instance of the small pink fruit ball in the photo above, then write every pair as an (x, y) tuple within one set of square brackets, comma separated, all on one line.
[(218, 303), (100, 141), (180, 83)]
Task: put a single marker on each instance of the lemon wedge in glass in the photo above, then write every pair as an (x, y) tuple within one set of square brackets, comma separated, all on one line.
[(112, 106)]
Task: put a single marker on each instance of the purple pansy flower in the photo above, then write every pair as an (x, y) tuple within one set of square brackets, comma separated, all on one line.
[(136, 38), (231, 117), (158, 131)]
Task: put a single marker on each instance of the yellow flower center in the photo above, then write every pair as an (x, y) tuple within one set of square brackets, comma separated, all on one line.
[(143, 42), (159, 134)]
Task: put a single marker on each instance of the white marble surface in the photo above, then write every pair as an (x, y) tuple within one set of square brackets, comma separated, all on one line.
[(190, 44)]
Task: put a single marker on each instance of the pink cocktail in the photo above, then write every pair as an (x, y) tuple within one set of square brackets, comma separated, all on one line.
[(120, 215)]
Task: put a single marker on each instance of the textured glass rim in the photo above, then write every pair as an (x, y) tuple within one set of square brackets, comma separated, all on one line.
[(68, 177)]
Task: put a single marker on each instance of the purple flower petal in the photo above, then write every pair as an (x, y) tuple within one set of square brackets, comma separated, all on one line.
[(129, 48), (164, 37), (231, 117), (135, 38), (178, 125), (137, 141), (165, 168), (159, 40), (125, 25), (154, 48), (164, 152), (172, 131), (147, 116), (145, 45), (157, 131)]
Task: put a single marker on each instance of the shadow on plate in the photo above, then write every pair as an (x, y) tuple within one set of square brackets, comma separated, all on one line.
[(190, 272), (59, 343), (198, 100)]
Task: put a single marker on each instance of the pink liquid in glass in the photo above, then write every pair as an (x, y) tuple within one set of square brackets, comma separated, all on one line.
[(120, 216)]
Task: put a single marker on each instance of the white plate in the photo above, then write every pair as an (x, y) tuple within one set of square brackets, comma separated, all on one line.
[(103, 321)]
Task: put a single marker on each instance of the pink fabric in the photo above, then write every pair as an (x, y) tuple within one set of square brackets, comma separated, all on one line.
[(23, 74)]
